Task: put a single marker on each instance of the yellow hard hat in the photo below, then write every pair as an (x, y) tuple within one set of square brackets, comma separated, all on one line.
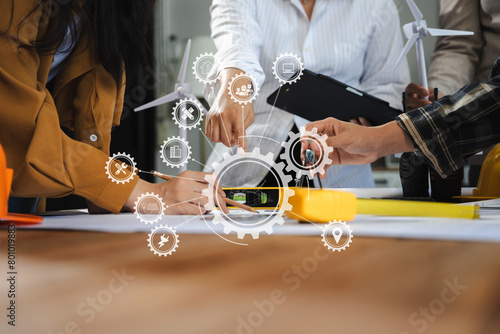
[(488, 185)]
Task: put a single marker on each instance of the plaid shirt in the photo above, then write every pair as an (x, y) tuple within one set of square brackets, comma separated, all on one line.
[(457, 125)]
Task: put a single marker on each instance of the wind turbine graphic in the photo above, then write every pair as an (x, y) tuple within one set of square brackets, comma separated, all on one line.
[(182, 91), (417, 30)]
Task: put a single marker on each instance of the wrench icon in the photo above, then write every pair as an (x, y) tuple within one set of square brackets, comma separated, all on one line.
[(121, 168)]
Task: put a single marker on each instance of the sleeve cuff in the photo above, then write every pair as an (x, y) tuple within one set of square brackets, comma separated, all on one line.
[(114, 196), (433, 137)]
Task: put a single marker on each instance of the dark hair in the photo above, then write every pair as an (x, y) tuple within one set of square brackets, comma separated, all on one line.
[(117, 28)]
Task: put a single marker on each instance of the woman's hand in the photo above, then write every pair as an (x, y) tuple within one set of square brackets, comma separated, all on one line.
[(227, 119), (358, 145), (182, 195)]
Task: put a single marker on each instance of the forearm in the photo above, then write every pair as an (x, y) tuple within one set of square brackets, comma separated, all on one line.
[(391, 139), (456, 126)]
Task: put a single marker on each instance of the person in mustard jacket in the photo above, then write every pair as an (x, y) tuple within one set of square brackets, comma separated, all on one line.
[(62, 65)]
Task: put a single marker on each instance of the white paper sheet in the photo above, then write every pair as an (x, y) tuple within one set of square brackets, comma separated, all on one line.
[(485, 229)]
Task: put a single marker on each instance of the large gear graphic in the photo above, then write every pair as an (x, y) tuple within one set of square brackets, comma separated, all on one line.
[(155, 247), (330, 232), (203, 66), (141, 208), (296, 166), (168, 156), (267, 223), (121, 167), (237, 94), (295, 68), (186, 114)]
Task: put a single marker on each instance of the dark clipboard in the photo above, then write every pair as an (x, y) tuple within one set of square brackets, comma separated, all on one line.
[(316, 97)]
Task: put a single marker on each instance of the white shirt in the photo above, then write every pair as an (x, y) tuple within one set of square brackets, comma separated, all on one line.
[(64, 51), (354, 41)]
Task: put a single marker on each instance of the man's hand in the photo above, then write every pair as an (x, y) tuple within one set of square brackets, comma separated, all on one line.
[(415, 96), (227, 120), (182, 195), (358, 145)]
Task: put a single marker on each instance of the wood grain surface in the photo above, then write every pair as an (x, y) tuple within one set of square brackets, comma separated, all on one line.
[(276, 284)]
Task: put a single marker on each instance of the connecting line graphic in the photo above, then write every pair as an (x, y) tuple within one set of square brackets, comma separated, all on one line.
[(220, 236), (210, 143), (242, 121), (187, 201), (174, 176), (177, 227), (225, 131), (270, 114), (202, 164), (305, 220)]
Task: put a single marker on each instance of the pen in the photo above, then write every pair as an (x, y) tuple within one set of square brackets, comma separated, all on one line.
[(227, 200)]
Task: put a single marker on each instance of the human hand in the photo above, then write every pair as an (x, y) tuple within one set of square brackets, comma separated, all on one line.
[(181, 195), (227, 120), (357, 145), (415, 96), (361, 121)]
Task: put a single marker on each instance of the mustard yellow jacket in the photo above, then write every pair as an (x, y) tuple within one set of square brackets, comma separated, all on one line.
[(85, 99)]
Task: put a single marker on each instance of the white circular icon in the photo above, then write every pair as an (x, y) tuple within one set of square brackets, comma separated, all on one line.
[(288, 68), (120, 168), (205, 68), (149, 208), (297, 166), (187, 113), (175, 152), (257, 224), (163, 240), (243, 88), (337, 235)]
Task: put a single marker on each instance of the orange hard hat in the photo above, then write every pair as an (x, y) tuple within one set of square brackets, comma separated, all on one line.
[(6, 175)]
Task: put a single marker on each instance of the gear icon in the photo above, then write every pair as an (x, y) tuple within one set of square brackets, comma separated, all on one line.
[(288, 68), (115, 167), (203, 68), (243, 88), (334, 232), (188, 113), (157, 240), (265, 224), (296, 166), (175, 151), (149, 208)]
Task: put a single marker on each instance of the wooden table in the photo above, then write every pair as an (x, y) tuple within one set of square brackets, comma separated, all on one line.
[(211, 286)]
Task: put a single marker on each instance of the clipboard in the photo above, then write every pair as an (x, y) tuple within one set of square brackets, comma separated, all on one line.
[(316, 97)]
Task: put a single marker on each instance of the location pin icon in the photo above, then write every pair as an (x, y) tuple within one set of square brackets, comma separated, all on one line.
[(337, 234)]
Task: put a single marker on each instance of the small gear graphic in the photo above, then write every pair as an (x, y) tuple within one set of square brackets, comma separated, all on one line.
[(267, 223), (173, 154), (202, 68), (294, 139), (120, 167), (157, 240), (185, 116), (152, 203), (333, 232), (241, 91), (288, 68)]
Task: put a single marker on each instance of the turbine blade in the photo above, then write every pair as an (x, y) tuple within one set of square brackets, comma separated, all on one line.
[(182, 72), (417, 14), (408, 46), (192, 96), (446, 32), (162, 100)]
